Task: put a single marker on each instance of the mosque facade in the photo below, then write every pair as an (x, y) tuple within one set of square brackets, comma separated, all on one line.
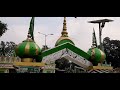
[(31, 59)]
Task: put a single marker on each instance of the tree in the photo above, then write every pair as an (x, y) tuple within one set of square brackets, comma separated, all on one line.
[(112, 50), (7, 48), (3, 28), (2, 48)]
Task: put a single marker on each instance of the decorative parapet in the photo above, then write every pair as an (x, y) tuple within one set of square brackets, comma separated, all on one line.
[(101, 69), (116, 70), (49, 67), (9, 59)]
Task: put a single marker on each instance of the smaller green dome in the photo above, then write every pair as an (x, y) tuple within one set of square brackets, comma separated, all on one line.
[(97, 56), (63, 40), (27, 49)]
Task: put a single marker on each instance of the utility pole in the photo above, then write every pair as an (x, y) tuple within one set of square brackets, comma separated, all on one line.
[(101, 26), (45, 38)]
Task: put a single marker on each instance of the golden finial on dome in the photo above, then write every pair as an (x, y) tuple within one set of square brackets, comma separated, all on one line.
[(29, 38), (64, 35), (64, 32)]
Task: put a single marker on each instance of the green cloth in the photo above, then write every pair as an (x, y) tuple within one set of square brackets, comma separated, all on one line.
[(31, 28)]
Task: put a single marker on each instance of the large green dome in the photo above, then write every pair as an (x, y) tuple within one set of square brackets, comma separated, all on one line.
[(27, 49), (63, 40), (97, 56)]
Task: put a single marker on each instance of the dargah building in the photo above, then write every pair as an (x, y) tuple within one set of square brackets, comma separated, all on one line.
[(30, 58)]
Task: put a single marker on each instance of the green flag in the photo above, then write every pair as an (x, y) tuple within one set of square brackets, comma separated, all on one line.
[(31, 28), (94, 39)]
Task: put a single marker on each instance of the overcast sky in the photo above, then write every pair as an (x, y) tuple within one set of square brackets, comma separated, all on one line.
[(80, 31)]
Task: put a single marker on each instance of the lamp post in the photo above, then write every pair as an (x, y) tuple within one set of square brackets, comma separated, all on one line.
[(101, 26), (45, 37)]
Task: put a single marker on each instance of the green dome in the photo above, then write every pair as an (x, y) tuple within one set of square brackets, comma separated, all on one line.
[(63, 40), (27, 49), (97, 56)]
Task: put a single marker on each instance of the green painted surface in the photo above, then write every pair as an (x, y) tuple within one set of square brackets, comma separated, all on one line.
[(21, 49), (97, 56), (2, 70), (64, 41), (38, 58), (78, 51), (31, 52), (53, 50), (68, 46)]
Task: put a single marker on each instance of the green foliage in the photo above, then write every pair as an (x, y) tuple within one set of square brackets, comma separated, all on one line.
[(3, 28), (112, 50), (7, 48)]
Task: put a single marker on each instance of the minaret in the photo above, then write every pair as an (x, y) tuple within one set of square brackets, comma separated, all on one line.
[(64, 32)]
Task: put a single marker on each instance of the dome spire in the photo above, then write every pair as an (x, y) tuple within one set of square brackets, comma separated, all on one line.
[(64, 32), (64, 35), (30, 36), (31, 28), (94, 41)]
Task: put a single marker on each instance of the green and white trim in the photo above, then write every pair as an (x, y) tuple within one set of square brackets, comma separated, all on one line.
[(69, 52)]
